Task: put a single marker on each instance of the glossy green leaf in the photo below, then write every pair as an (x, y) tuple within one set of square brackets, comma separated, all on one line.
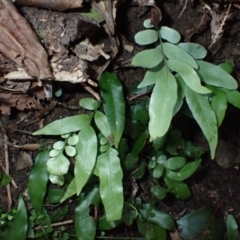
[(227, 67), (180, 94), (173, 52), (59, 214), (151, 76), (139, 144), (17, 228), (162, 159), (5, 180), (89, 103), (185, 172), (155, 232), (159, 192), (169, 34), (158, 171), (71, 190), (148, 23), (86, 156), (104, 224), (55, 195), (113, 104), (102, 123), (146, 37), (179, 189), (175, 163), (84, 224), (147, 58), (139, 113), (161, 219), (58, 165), (233, 97), (70, 151), (37, 182), (140, 171), (130, 162), (162, 102), (219, 106), (205, 117), (216, 76), (65, 125), (202, 219), (189, 75), (232, 228), (194, 49), (111, 189), (73, 139)]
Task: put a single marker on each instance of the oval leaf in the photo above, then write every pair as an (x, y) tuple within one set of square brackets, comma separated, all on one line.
[(59, 145), (86, 156), (73, 139), (232, 228), (216, 76), (70, 151), (179, 189), (185, 172), (148, 23), (111, 189), (58, 165), (146, 37), (194, 49), (169, 34), (174, 52), (102, 123), (205, 117), (151, 76), (175, 163), (188, 75), (113, 104), (219, 106), (84, 223), (162, 102), (159, 192), (37, 182), (89, 103), (147, 58), (65, 125)]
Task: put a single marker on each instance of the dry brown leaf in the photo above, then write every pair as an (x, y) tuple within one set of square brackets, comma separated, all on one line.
[(19, 43), (59, 5), (21, 102), (107, 9)]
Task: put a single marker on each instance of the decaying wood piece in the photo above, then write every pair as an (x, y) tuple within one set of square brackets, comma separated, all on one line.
[(59, 5)]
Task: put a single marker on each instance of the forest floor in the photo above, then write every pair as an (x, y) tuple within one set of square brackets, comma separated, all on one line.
[(216, 183)]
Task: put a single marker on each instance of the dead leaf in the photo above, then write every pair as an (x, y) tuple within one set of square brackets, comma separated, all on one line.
[(59, 5), (19, 43), (107, 9), (24, 161)]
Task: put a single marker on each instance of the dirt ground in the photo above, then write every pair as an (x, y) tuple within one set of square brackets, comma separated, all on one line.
[(217, 182)]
